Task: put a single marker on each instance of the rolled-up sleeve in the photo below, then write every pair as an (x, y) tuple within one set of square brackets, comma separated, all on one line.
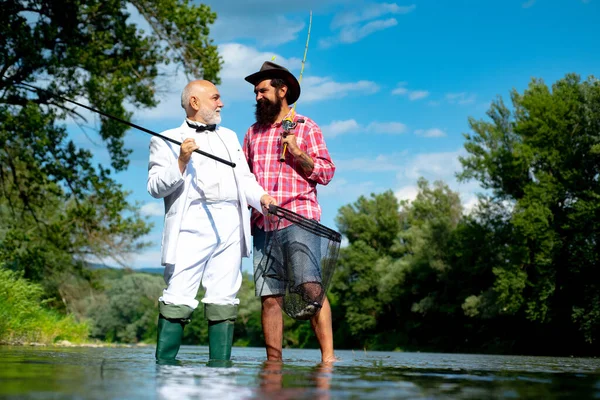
[(324, 168)]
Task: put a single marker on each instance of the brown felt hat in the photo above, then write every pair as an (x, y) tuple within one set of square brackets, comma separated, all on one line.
[(270, 70)]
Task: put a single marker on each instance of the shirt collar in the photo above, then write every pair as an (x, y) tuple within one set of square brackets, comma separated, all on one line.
[(288, 115)]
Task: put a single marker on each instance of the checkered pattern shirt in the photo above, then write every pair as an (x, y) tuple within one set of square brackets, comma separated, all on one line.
[(286, 181)]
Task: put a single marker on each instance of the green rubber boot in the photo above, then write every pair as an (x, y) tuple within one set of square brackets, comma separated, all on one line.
[(172, 319), (170, 333), (221, 321)]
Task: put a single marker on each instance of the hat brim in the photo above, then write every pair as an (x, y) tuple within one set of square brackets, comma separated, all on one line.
[(292, 83)]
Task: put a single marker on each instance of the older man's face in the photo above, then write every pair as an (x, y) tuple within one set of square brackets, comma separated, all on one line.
[(209, 104)]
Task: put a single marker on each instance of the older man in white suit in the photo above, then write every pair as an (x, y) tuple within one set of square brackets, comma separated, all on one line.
[(207, 221)]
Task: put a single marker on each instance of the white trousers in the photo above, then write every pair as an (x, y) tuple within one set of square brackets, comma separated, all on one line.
[(208, 253)]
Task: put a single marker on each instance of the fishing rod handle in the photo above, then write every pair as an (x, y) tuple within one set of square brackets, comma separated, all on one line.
[(282, 156)]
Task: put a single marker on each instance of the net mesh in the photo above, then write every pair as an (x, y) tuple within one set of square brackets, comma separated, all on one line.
[(300, 259)]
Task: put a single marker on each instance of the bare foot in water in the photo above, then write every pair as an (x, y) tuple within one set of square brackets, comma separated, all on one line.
[(329, 359)]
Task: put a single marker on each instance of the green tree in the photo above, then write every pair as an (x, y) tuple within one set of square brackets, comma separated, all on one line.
[(541, 162), (421, 286), (372, 226), (56, 207), (126, 310), (395, 278)]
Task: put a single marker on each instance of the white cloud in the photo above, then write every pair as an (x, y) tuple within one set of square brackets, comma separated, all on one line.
[(341, 187), (147, 259), (432, 166), (469, 202), (370, 12), (263, 22), (528, 3), (461, 98), (321, 88), (240, 61), (169, 88), (336, 128), (277, 31), (386, 127), (437, 166), (380, 163), (353, 34), (353, 26), (401, 90), (345, 242), (154, 209), (407, 193), (264, 7), (409, 168), (433, 132), (418, 94), (169, 85)]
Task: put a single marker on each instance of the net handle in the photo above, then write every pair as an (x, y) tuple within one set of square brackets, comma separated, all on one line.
[(305, 222)]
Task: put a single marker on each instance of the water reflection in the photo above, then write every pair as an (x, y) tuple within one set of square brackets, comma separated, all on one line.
[(278, 382), (121, 373), (198, 381)]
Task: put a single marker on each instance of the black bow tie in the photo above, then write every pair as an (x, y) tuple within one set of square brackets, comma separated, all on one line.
[(202, 128)]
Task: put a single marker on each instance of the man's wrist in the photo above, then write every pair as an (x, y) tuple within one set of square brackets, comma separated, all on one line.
[(296, 152), (182, 165)]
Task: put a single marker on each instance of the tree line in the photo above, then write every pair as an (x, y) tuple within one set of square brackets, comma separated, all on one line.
[(517, 274)]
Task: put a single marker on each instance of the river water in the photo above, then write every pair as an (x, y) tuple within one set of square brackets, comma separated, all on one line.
[(131, 373)]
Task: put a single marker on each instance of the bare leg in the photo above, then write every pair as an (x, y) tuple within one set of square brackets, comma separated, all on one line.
[(272, 323), (321, 324)]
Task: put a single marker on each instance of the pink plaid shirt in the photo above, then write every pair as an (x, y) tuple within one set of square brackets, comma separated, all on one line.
[(286, 181)]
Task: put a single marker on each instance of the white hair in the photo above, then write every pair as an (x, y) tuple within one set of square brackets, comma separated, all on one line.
[(185, 96)]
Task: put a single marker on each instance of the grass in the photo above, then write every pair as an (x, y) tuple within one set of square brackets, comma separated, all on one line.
[(25, 319)]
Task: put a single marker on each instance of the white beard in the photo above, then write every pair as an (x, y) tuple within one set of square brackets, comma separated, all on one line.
[(211, 116)]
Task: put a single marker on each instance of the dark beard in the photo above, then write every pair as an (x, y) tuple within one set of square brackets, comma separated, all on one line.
[(266, 111)]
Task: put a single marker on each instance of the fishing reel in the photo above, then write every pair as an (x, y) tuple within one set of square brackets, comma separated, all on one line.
[(288, 125)]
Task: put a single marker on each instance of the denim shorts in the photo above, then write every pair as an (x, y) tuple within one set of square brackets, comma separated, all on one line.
[(285, 259)]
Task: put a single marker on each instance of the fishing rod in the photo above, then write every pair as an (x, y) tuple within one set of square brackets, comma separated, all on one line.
[(288, 124), (131, 124)]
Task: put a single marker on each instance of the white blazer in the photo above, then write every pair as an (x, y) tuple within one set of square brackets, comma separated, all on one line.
[(166, 181)]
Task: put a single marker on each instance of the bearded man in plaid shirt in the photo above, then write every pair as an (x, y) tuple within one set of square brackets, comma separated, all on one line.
[(292, 183)]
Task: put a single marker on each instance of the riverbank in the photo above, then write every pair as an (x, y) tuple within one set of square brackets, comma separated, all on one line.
[(67, 343)]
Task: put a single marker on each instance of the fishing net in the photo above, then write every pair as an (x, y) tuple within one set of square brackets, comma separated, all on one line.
[(301, 259)]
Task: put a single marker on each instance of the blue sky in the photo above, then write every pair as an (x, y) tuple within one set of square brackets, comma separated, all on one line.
[(391, 84)]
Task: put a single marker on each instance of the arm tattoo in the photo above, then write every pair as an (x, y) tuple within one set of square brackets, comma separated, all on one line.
[(306, 163)]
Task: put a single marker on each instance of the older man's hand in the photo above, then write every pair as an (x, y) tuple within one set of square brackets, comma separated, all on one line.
[(265, 201), (185, 152)]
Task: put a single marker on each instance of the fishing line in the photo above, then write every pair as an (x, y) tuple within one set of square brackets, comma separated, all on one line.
[(288, 123)]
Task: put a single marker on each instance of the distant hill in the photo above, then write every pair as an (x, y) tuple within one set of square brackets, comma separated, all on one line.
[(158, 271), (95, 266)]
